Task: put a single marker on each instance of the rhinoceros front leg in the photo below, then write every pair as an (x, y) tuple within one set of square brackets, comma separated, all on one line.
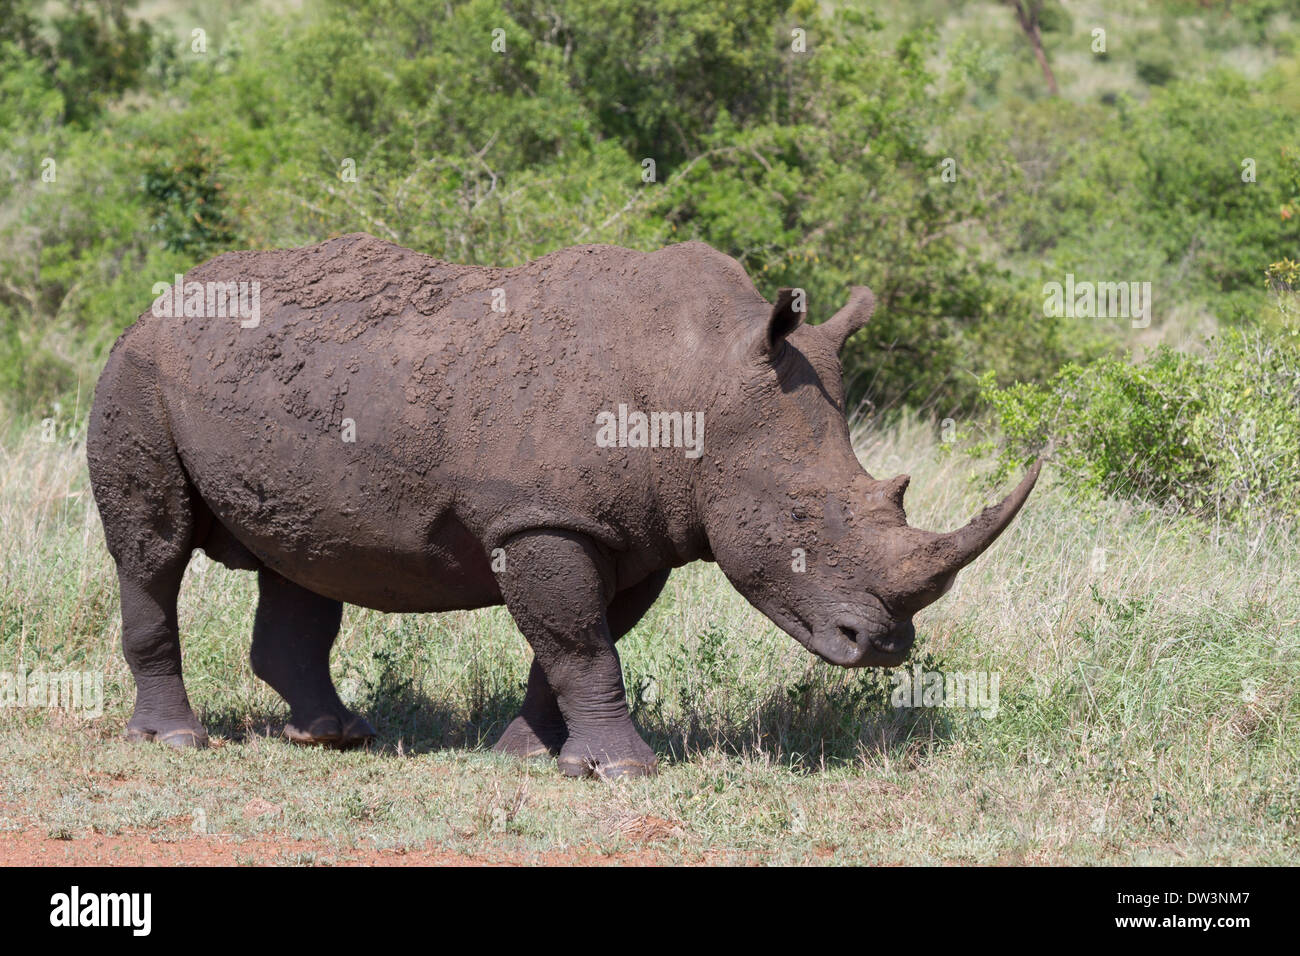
[(556, 585), (539, 730), (292, 635)]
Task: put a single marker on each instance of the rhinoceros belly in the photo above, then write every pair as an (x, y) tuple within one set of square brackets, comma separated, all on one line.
[(343, 506), (313, 521), (309, 528)]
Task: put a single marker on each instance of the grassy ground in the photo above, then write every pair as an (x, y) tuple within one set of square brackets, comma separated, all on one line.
[(1147, 711)]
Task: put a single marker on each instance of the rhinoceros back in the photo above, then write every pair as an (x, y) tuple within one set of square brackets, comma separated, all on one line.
[(387, 407)]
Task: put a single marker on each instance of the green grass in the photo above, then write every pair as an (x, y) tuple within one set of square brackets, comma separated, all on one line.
[(1147, 713)]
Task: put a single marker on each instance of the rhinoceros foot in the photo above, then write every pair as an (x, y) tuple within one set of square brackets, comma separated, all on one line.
[(609, 757), (539, 730), (179, 734), (329, 730), (530, 739)]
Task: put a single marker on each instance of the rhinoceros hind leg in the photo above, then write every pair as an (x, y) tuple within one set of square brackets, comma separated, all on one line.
[(557, 589), (292, 635), (147, 506), (539, 730), (152, 647)]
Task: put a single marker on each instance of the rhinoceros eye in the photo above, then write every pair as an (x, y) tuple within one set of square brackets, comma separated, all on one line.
[(798, 514)]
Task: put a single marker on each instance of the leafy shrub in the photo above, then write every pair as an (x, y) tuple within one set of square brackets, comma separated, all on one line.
[(1216, 435), (1155, 69), (32, 377), (890, 152), (94, 56), (188, 200)]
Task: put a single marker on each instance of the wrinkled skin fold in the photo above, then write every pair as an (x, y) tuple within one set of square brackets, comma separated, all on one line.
[(409, 435)]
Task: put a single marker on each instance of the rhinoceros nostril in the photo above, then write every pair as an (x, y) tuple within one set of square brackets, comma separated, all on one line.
[(841, 640), (850, 634)]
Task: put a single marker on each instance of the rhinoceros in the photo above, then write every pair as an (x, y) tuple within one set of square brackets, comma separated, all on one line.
[(360, 423)]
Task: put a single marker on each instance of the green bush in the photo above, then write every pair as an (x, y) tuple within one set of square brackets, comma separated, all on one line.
[(1155, 69), (1217, 436), (186, 193), (891, 151), (32, 376), (97, 52)]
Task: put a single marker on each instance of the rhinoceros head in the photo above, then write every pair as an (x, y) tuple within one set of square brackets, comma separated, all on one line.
[(794, 521)]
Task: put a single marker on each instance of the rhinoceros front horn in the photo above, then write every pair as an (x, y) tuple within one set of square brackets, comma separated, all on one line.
[(949, 553)]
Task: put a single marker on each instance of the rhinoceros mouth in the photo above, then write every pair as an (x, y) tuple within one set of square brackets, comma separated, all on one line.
[(849, 643), (843, 642), (849, 637)]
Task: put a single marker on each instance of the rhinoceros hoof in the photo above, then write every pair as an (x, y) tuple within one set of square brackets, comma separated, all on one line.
[(608, 760), (330, 731), (521, 739), (180, 736)]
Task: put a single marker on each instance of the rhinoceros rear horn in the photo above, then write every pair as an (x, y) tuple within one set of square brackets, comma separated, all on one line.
[(953, 551), (855, 314)]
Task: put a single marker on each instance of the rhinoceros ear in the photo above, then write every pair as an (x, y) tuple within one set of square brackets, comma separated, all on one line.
[(785, 317)]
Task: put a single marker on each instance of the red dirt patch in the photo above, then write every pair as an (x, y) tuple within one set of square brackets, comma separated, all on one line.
[(32, 848)]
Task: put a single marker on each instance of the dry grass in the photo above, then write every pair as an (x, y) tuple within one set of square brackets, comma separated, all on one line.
[(1147, 706)]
